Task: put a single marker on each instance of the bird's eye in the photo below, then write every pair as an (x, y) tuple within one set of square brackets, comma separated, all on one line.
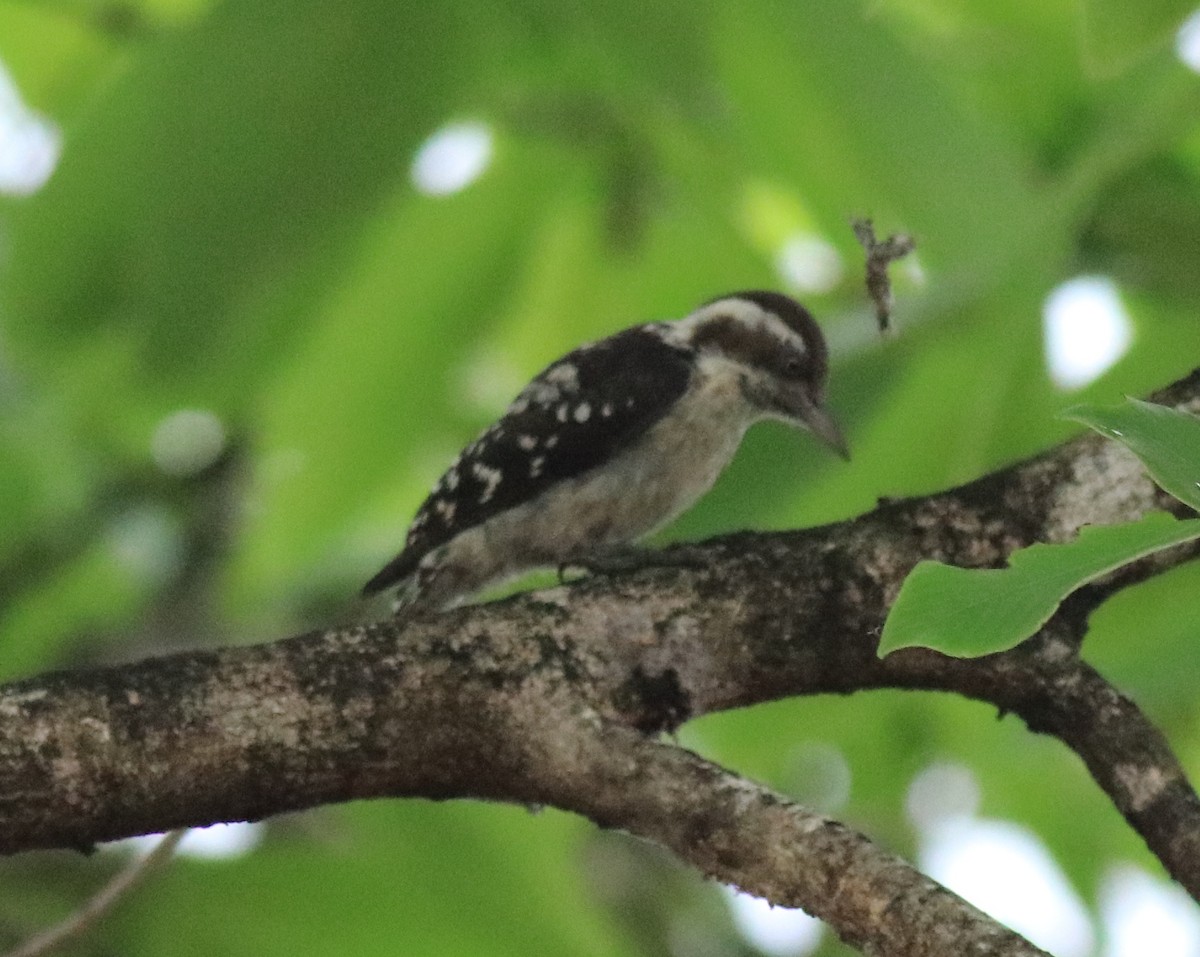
[(793, 368)]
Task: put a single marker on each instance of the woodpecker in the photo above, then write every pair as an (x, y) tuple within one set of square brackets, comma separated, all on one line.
[(612, 442)]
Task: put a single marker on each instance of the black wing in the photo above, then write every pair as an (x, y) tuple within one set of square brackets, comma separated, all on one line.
[(577, 414)]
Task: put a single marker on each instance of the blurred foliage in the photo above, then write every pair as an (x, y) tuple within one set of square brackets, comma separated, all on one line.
[(233, 228)]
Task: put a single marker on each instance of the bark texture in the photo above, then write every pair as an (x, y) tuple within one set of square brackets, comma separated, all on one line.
[(547, 698)]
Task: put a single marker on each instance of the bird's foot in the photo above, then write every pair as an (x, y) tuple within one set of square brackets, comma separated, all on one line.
[(622, 560)]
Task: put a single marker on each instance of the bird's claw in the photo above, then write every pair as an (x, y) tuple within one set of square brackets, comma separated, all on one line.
[(625, 560)]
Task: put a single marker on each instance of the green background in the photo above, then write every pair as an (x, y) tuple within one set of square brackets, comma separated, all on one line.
[(233, 228)]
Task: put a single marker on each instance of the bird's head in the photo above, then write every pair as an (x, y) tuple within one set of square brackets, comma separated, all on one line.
[(779, 353)]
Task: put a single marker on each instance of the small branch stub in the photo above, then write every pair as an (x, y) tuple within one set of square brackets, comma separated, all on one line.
[(880, 255)]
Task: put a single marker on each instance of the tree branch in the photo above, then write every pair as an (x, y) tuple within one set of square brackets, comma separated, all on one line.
[(534, 699), (744, 834), (476, 711), (93, 911)]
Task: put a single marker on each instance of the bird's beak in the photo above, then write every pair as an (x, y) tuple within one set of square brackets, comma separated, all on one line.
[(798, 406), (824, 426)]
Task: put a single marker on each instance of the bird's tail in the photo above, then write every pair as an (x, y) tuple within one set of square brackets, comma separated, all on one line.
[(393, 573)]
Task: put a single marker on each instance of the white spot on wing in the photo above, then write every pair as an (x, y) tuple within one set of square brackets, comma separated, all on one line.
[(583, 412), (527, 442), (416, 529), (491, 477), (551, 441), (561, 412), (549, 388), (606, 410), (564, 375), (536, 466)]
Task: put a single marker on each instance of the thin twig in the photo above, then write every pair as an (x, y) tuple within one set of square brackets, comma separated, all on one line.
[(880, 255), (80, 922)]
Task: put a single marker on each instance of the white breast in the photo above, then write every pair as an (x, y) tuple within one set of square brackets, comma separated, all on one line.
[(642, 489)]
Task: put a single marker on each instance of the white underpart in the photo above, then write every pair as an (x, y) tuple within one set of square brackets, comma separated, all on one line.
[(648, 485), (640, 490)]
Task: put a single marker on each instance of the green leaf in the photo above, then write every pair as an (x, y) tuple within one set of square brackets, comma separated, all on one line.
[(1166, 440), (971, 612)]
